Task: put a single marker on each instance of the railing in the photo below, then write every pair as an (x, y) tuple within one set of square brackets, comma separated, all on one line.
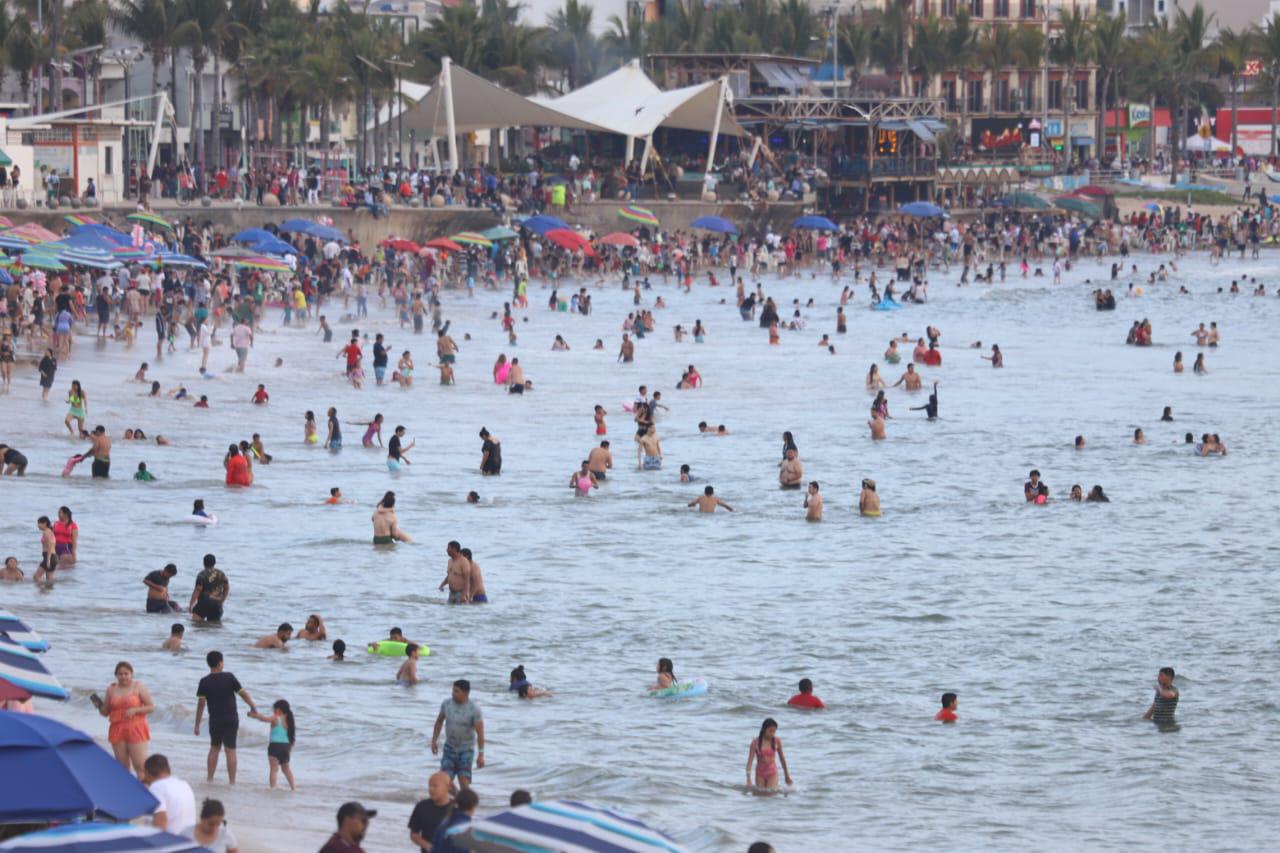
[(860, 168)]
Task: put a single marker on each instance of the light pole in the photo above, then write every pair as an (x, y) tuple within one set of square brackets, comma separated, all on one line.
[(400, 102), (126, 57), (364, 108)]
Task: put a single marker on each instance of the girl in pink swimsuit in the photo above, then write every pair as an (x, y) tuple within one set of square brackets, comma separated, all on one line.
[(765, 753)]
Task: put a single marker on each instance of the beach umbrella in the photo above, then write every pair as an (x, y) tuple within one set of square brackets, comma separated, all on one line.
[(12, 243), (144, 217), (718, 224), (24, 669), (229, 252), (922, 209), (472, 238), (6, 222), (328, 232), (562, 826), (815, 223), (1094, 190), (263, 264), (39, 261), (78, 219), (272, 246), (20, 633), (128, 253), (89, 240), (568, 239), (1027, 201), (254, 235), (176, 259), (443, 244), (400, 244), (98, 259), (12, 692), (32, 232), (101, 838), (542, 224), (499, 232), (101, 232), (296, 226), (639, 214), (1078, 205), (51, 772), (620, 238), (1153, 207), (5, 278)]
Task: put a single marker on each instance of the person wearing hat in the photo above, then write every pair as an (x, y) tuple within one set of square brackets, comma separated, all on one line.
[(869, 501), (353, 823)]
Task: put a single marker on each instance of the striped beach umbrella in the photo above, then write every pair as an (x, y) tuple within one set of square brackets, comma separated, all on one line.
[(638, 214), (98, 259), (263, 264), (563, 826), (147, 218), (499, 232), (176, 259), (41, 261), (20, 633), (13, 243), (78, 219), (101, 838), (620, 238), (23, 669), (32, 232), (443, 244), (6, 222), (472, 238)]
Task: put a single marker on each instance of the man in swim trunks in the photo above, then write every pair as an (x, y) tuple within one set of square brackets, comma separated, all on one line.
[(386, 527), (627, 353), (911, 379), (379, 359), (210, 592), (463, 727), (791, 471), (158, 590), (600, 460), (11, 461), (476, 580), (278, 640), (446, 348), (457, 575), (100, 450), (813, 503)]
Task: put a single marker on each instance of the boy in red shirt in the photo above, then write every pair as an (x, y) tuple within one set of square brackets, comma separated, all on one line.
[(805, 698), (260, 396), (948, 712)]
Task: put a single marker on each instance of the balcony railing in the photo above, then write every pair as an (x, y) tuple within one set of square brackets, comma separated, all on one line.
[(860, 168)]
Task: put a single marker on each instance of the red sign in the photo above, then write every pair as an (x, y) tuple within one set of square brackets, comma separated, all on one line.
[(1252, 68)]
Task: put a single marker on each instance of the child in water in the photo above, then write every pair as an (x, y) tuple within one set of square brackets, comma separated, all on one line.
[(281, 742), (408, 672), (766, 753)]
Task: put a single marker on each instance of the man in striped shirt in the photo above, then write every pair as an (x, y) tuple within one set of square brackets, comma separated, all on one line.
[(1166, 699)]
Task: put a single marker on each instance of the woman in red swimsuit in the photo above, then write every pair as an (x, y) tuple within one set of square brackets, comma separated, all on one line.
[(237, 468), (128, 703)]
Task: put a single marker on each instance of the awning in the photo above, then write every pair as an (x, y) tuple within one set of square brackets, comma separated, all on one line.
[(936, 125), (894, 124), (1082, 140), (5, 159), (921, 131), (774, 75)]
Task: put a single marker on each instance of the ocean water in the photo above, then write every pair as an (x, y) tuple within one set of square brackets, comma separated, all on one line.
[(1049, 622)]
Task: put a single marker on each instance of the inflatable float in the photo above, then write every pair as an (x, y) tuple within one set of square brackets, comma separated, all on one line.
[(683, 690), (886, 305), (202, 519), (393, 649)]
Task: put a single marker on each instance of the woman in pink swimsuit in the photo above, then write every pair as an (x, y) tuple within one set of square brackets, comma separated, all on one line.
[(128, 703), (766, 753), (501, 370)]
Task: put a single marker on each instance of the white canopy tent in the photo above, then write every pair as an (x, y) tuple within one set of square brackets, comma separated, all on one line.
[(625, 102)]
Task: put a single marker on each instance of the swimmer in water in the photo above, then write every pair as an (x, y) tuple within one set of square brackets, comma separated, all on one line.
[(278, 640), (583, 481), (708, 501), (1077, 494), (930, 408), (813, 503), (521, 686), (373, 429), (1139, 437), (173, 643), (877, 428), (335, 496), (666, 675), (386, 527), (314, 630), (407, 674), (339, 651), (686, 475), (473, 497), (11, 573), (1031, 489), (869, 501)]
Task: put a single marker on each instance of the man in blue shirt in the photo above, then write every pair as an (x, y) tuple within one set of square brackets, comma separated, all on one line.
[(463, 809)]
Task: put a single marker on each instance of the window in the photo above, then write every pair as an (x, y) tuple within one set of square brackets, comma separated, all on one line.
[(1028, 8), (1082, 94), (949, 8), (108, 160), (1000, 95), (975, 96), (1001, 9), (1055, 94), (975, 8), (949, 95), (1027, 96)]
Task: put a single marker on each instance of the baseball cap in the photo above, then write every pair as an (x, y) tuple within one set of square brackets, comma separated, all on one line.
[(351, 809)]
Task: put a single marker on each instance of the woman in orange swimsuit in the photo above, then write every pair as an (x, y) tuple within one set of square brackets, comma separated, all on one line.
[(128, 703)]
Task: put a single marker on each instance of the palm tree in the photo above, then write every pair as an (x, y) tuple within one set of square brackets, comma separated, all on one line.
[(796, 27), (23, 53), (962, 54), (87, 28), (625, 38), (574, 43), (1111, 49), (1190, 38), (1269, 47), (202, 34), (853, 46), (1072, 49), (996, 50), (1232, 51), (891, 43), (929, 51)]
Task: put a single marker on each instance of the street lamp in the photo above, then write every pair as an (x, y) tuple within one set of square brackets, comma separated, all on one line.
[(364, 108), (400, 99), (126, 57)]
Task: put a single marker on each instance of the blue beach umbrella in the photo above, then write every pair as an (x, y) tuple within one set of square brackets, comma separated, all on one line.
[(22, 668), (5, 278), (20, 633), (562, 826), (542, 224), (51, 772), (272, 246), (103, 232), (176, 259), (921, 208), (327, 232), (815, 223), (297, 226), (101, 838), (717, 224), (253, 235)]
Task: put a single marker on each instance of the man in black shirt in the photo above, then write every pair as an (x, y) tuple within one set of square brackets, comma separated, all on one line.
[(218, 690), (428, 814), (158, 590), (379, 359), (490, 454), (396, 450)]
